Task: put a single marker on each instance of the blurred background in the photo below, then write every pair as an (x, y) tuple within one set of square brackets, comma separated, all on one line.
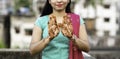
[(102, 19)]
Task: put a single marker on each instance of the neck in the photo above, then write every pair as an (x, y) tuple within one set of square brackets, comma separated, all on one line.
[(59, 13)]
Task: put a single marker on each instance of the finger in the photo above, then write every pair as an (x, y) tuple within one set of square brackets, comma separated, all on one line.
[(75, 37)]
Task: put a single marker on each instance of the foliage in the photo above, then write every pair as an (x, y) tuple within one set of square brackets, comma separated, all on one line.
[(101, 2), (92, 2), (22, 3), (89, 2), (2, 45)]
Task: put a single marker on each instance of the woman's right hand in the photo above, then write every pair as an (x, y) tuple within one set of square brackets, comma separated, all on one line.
[(53, 31)]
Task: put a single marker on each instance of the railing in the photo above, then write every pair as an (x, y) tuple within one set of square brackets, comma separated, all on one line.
[(17, 54), (105, 53), (25, 54)]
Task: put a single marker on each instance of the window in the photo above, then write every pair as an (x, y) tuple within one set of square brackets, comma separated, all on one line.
[(117, 21), (106, 19), (17, 30), (28, 32), (107, 6), (40, 9), (106, 33)]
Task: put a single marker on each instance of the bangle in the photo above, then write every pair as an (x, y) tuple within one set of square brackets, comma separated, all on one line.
[(73, 39), (49, 38)]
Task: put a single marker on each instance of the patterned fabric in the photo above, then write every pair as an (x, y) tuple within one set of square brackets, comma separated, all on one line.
[(58, 48)]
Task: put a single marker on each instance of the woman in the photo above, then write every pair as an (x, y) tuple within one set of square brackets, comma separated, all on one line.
[(55, 44)]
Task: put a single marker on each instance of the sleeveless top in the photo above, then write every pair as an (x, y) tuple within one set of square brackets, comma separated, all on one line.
[(58, 48)]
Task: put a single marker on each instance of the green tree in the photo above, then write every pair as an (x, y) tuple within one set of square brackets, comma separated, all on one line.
[(22, 3), (92, 2)]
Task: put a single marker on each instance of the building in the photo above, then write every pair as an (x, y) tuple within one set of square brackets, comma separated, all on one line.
[(101, 19), (106, 21), (118, 13), (101, 22), (21, 31), (5, 6)]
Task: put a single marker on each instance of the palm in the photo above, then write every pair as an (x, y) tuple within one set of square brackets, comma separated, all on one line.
[(52, 27), (67, 29)]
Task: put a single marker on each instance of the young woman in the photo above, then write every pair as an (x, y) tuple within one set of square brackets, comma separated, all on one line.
[(51, 39)]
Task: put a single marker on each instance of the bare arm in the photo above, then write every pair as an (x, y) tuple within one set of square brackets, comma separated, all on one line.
[(82, 41), (37, 44)]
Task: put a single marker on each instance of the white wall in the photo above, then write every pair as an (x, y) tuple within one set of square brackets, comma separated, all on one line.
[(21, 40), (110, 26), (3, 10), (100, 13)]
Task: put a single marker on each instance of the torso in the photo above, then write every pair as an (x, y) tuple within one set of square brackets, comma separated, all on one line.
[(58, 47)]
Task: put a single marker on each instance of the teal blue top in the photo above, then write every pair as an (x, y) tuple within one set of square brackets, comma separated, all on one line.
[(58, 47)]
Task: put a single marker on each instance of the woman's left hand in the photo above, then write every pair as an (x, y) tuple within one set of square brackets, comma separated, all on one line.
[(66, 32), (67, 28)]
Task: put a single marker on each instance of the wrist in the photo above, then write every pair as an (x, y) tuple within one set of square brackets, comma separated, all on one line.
[(47, 40), (73, 40)]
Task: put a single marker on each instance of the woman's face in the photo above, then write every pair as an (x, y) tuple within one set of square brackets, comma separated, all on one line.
[(59, 5)]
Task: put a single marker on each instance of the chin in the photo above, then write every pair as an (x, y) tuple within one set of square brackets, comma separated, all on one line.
[(59, 9)]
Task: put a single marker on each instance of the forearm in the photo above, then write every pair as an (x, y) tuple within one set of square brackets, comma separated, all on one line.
[(38, 46), (82, 45)]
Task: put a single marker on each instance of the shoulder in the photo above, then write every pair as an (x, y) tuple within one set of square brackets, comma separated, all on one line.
[(73, 14), (77, 17), (41, 21), (42, 17)]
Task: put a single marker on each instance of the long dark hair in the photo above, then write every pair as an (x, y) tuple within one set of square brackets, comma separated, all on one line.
[(48, 8)]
